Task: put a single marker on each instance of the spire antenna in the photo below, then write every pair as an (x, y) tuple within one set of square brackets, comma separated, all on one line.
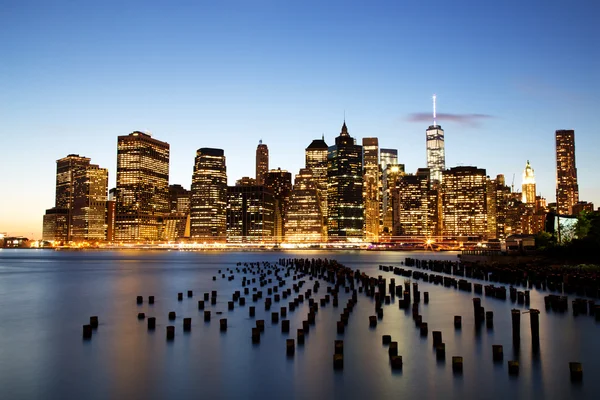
[(434, 97)]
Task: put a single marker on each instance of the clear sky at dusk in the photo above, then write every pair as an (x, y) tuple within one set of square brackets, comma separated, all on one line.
[(76, 74)]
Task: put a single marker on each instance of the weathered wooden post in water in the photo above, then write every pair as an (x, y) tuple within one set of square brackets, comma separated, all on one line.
[(535, 326), (516, 325)]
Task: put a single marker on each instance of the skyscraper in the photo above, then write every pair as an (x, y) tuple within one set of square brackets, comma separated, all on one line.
[(208, 206), (392, 173), (89, 203), (371, 187), (80, 204), (464, 202), (436, 158), (279, 182), (387, 157), (345, 214), (304, 222), (316, 161), (262, 162), (528, 186), (250, 213), (567, 190), (142, 194), (413, 209)]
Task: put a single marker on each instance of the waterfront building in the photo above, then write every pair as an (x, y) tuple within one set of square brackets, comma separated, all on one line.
[(345, 215), (392, 173), (262, 162), (177, 222), (250, 214), (528, 186), (208, 206), (56, 225), (414, 206), (88, 212), (497, 201), (567, 190), (279, 182), (316, 161), (304, 222), (464, 202), (386, 157), (142, 193), (80, 202), (371, 187)]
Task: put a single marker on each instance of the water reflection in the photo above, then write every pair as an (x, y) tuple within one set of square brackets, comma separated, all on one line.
[(45, 297)]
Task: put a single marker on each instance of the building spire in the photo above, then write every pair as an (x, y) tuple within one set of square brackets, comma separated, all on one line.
[(434, 122)]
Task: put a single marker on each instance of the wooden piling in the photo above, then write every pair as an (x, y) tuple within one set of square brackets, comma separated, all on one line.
[(170, 332)]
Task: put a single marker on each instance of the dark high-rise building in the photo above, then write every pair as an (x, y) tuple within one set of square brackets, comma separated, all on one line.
[(464, 201), (208, 209), (304, 220), (142, 194), (316, 161), (371, 187), (345, 216), (250, 214), (262, 162), (279, 182), (567, 190)]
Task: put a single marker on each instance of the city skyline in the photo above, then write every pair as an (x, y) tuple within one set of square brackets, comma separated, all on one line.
[(275, 76)]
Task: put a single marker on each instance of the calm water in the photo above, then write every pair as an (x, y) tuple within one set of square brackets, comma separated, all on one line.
[(46, 296)]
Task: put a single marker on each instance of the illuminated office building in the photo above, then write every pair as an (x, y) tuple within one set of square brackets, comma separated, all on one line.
[(316, 161), (371, 188), (246, 181), (414, 206), (142, 193), (392, 173), (497, 197), (304, 222), (89, 204), (208, 206), (177, 222), (262, 162), (279, 182), (567, 190), (250, 214), (56, 225), (80, 203), (388, 157), (436, 156), (464, 202), (345, 215), (436, 159), (528, 186)]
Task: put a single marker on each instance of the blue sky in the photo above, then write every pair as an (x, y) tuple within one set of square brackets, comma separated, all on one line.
[(76, 74)]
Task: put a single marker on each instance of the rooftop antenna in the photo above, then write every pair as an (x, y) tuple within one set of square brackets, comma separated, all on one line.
[(434, 97)]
